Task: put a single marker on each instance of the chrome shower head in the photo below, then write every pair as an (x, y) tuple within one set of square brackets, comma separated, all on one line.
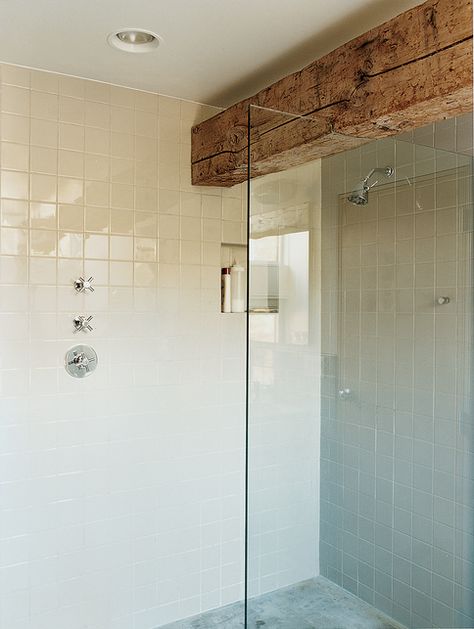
[(360, 195)]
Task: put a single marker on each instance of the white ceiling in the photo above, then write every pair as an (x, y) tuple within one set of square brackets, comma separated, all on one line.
[(213, 51)]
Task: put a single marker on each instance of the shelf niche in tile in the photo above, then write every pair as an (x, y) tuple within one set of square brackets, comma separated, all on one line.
[(230, 253)]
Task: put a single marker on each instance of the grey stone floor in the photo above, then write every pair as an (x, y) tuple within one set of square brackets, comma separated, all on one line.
[(313, 604)]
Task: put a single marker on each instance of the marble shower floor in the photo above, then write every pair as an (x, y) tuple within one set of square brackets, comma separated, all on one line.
[(313, 604)]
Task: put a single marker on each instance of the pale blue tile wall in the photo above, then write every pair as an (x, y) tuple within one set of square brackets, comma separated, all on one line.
[(397, 457)]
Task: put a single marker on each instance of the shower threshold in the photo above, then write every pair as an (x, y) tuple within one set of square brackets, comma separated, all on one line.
[(313, 604)]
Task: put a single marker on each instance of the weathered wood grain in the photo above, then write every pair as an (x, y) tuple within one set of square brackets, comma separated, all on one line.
[(412, 70)]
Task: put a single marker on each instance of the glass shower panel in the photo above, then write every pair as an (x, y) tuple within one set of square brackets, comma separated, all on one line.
[(284, 339), (360, 416)]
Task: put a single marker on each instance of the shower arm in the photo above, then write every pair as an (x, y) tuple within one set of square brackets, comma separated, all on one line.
[(387, 171)]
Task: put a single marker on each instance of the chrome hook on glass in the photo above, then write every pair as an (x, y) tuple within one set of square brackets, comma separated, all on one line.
[(81, 285), (82, 323), (344, 394)]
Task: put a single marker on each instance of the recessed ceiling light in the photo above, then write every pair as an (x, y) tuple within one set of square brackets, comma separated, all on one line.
[(134, 40)]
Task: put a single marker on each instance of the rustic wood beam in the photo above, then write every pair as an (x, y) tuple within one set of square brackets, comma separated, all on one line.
[(413, 70)]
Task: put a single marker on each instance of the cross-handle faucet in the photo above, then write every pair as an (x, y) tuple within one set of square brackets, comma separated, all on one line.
[(82, 323), (81, 285)]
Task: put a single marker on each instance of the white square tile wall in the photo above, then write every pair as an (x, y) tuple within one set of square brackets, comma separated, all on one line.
[(121, 494)]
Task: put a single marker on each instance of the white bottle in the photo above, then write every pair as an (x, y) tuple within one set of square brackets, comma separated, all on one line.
[(238, 295), (225, 290)]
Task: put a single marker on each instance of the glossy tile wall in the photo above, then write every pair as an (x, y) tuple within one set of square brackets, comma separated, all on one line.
[(397, 454), (120, 494)]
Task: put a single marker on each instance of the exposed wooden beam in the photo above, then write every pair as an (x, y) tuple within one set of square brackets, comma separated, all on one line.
[(411, 71)]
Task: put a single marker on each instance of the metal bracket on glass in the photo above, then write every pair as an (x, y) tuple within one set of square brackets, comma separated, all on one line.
[(443, 301), (264, 310), (81, 285), (81, 361), (82, 323), (344, 394)]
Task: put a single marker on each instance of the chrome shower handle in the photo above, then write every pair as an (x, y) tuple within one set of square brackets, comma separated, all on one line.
[(81, 285), (81, 361), (82, 323)]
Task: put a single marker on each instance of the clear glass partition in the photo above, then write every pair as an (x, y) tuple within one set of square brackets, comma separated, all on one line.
[(284, 346), (360, 416)]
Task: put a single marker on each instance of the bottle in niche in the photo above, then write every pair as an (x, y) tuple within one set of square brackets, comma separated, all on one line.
[(226, 303), (237, 273)]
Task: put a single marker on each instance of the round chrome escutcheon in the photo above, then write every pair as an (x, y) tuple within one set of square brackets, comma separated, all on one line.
[(81, 361)]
